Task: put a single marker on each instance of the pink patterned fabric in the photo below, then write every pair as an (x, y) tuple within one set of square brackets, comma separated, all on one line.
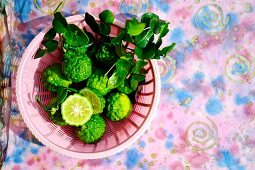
[(205, 118)]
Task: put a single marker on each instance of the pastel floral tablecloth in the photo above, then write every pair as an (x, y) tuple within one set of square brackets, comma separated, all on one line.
[(206, 115)]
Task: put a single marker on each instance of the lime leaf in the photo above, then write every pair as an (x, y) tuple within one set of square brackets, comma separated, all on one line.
[(75, 36), (106, 17), (50, 35), (134, 27), (136, 79), (79, 32), (40, 52), (61, 94), (114, 81), (123, 67), (143, 39), (51, 45), (90, 20), (148, 17), (158, 44), (149, 52), (163, 31), (138, 65), (59, 23), (57, 118), (138, 51), (158, 24), (118, 40), (105, 29), (167, 49), (128, 38)]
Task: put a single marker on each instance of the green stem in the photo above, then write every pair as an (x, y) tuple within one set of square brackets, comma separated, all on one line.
[(59, 5), (110, 69)]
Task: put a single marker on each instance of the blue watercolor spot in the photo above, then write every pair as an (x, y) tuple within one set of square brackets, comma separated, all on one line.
[(7, 160), (142, 144), (233, 20), (162, 5), (189, 48), (83, 2), (199, 76), (227, 160), (34, 150), (17, 154), (241, 100), (133, 156), (218, 83), (214, 106), (182, 96), (28, 36), (179, 58), (22, 8), (177, 35), (170, 136), (169, 144)]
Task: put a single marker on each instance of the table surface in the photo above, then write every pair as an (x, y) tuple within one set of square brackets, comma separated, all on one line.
[(205, 118)]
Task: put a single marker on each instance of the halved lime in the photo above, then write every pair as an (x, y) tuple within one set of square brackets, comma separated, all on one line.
[(96, 99), (76, 110)]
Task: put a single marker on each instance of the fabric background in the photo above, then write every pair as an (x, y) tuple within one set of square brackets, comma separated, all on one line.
[(205, 119)]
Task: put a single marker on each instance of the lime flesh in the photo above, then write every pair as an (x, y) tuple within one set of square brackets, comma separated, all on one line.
[(96, 99), (76, 110)]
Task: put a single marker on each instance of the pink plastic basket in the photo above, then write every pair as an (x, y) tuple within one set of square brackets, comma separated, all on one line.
[(118, 136)]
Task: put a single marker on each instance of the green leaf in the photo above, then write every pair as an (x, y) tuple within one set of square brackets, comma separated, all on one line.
[(138, 51), (57, 118), (91, 37), (134, 83), (40, 53), (149, 52), (147, 17), (136, 79), (118, 40), (61, 94), (128, 38), (134, 27), (106, 17), (50, 107), (70, 89), (75, 36), (105, 29), (79, 32), (158, 44), (163, 31), (118, 50), (167, 49), (90, 20), (51, 45), (151, 39), (138, 66), (50, 35), (143, 39), (123, 67), (59, 23), (158, 24), (114, 81)]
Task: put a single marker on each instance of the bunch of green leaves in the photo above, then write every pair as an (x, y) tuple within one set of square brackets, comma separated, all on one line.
[(70, 33), (146, 35)]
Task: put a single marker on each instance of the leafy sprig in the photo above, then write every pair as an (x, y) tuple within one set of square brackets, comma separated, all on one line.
[(146, 35)]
